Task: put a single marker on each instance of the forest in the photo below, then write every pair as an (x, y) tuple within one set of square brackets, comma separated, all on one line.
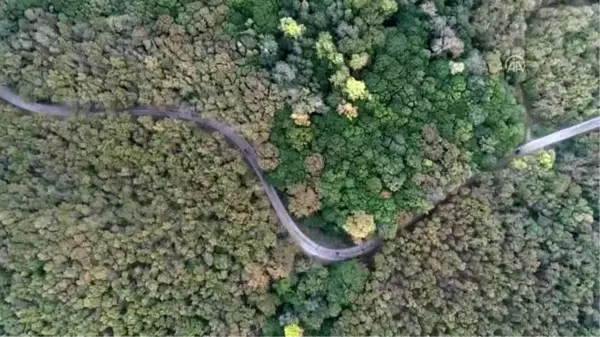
[(373, 119)]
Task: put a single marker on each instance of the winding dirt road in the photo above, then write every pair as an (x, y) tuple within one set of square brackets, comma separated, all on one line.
[(309, 246)]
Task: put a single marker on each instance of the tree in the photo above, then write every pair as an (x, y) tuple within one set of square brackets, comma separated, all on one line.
[(514, 254), (562, 72), (421, 133), (108, 225)]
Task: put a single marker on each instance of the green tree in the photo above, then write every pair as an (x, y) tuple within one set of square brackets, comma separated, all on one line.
[(514, 254), (421, 135), (121, 227), (562, 68)]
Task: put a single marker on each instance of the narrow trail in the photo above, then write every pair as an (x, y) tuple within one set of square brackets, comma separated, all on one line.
[(309, 246)]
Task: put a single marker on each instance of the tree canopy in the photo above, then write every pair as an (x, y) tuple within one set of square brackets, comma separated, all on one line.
[(372, 118)]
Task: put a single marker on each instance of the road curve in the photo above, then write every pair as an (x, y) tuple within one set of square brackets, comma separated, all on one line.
[(309, 246)]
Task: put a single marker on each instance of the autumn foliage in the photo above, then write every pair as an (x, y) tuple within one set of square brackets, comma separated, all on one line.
[(365, 114)]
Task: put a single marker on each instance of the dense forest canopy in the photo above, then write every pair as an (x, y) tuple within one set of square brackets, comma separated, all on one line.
[(373, 118)]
